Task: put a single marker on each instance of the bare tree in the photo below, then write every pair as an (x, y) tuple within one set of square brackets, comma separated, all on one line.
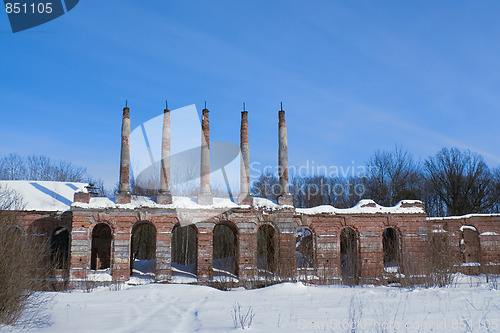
[(267, 186), (320, 190), (22, 265), (12, 167), (496, 191), (348, 192), (393, 176), (42, 168), (461, 181)]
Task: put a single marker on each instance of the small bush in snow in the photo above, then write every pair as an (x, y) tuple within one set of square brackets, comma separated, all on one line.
[(241, 318)]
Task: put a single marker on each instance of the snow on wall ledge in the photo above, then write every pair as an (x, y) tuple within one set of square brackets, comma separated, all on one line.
[(363, 207), (147, 202), (45, 196), (461, 217), (367, 206)]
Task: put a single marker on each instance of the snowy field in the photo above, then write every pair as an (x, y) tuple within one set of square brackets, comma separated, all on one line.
[(468, 305)]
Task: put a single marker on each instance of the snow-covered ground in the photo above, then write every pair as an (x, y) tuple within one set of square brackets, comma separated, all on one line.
[(468, 305)]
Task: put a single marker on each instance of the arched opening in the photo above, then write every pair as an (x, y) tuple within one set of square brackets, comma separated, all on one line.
[(184, 251), (266, 262), (304, 248), (225, 241), (391, 248), (143, 249), (100, 257), (349, 256), (59, 248), (470, 245), (440, 261)]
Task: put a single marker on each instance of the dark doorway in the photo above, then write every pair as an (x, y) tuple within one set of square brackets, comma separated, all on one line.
[(470, 245), (184, 251), (143, 249), (59, 248), (349, 256), (304, 248), (224, 251), (101, 247), (266, 263), (391, 246)]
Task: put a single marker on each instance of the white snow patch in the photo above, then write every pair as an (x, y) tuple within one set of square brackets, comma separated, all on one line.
[(45, 195), (467, 227), (367, 206), (287, 307), (264, 203), (103, 275), (183, 279), (461, 217), (147, 202), (137, 278), (470, 264), (177, 203), (391, 269), (489, 233)]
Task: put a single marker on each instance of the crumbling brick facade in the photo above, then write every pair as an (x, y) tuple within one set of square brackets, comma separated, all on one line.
[(366, 243)]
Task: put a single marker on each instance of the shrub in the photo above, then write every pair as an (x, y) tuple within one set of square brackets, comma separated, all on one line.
[(23, 266), (242, 319)]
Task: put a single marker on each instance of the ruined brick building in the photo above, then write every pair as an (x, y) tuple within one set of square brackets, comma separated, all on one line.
[(179, 239)]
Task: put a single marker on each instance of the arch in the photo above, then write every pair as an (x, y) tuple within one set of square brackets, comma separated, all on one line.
[(438, 252), (225, 245), (143, 249), (304, 248), (59, 248), (470, 244), (392, 250), (100, 257), (349, 261), (266, 250), (184, 251)]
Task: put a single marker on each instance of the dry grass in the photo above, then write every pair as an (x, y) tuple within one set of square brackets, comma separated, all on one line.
[(23, 267)]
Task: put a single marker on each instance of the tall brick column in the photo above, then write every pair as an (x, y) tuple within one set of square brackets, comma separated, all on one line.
[(205, 252), (244, 198), (165, 197), (205, 196), (123, 195), (285, 198), (164, 225)]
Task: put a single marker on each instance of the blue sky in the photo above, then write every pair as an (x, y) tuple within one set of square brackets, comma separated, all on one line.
[(354, 76)]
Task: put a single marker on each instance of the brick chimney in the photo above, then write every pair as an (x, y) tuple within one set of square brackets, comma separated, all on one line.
[(205, 196), (165, 197), (285, 198), (123, 194), (244, 198)]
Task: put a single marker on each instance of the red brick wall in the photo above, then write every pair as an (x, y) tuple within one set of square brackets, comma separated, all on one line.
[(488, 228), (413, 231)]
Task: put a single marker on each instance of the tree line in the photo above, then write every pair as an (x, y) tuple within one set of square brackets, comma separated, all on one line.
[(42, 168), (452, 182)]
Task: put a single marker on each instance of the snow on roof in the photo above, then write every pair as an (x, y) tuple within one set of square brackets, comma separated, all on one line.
[(265, 203), (45, 195), (147, 202), (363, 207), (461, 217), (367, 206)]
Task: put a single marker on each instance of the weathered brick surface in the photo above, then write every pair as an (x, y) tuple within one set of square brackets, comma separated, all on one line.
[(488, 231), (414, 231)]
